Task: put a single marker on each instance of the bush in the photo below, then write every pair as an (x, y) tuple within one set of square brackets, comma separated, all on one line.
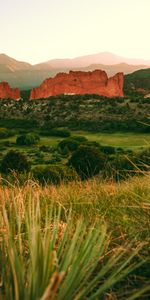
[(80, 139), (143, 159), (93, 144), (69, 143), (108, 150), (27, 139), (49, 149), (56, 157), (15, 161), (120, 167), (87, 161), (59, 132), (53, 174)]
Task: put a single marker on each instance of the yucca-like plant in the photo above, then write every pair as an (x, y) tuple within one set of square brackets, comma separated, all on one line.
[(45, 258)]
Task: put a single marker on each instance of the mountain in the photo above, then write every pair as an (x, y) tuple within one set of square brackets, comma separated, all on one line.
[(8, 64), (21, 74), (105, 58), (26, 76), (113, 69)]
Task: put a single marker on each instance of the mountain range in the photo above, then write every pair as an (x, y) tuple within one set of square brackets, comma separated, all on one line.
[(26, 76)]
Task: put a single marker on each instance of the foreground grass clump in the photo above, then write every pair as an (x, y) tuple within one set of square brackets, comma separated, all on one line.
[(54, 242)]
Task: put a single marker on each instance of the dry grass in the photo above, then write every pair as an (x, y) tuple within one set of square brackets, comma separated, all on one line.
[(44, 216)]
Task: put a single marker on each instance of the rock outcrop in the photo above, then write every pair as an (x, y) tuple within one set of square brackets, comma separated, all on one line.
[(78, 82), (7, 92)]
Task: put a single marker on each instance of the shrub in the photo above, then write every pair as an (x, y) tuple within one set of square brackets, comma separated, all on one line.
[(53, 174), (93, 144), (64, 152), (108, 150), (56, 157), (80, 139), (143, 159), (27, 139), (45, 256), (69, 143), (50, 149), (87, 161), (59, 132), (120, 167), (15, 161)]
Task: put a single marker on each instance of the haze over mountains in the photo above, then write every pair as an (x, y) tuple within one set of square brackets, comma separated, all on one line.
[(26, 76)]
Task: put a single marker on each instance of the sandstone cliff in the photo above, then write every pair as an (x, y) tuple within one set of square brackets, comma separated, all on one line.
[(78, 82), (7, 92)]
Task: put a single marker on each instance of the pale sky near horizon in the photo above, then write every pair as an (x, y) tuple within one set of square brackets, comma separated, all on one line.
[(39, 30)]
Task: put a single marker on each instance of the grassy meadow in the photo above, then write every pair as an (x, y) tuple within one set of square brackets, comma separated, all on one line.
[(127, 140)]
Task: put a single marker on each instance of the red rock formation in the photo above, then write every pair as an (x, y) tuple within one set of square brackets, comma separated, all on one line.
[(78, 82), (7, 92)]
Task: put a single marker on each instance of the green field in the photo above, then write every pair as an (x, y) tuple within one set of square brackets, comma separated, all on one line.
[(125, 140), (120, 139)]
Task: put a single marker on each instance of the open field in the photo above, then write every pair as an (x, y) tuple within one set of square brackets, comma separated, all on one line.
[(119, 139), (127, 140)]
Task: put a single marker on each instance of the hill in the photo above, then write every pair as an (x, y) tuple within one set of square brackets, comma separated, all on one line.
[(138, 81)]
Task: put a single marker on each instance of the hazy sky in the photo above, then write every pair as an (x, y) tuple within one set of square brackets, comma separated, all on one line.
[(39, 30)]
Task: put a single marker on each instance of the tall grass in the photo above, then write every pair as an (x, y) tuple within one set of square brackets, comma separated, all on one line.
[(77, 241)]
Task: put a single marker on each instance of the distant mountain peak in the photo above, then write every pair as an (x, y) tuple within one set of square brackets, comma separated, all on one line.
[(26, 76)]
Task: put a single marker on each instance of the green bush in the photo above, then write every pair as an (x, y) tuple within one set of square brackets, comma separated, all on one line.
[(59, 132), (87, 161), (80, 139), (69, 143), (15, 161), (56, 157), (27, 139), (93, 144), (120, 167), (108, 149), (49, 149), (53, 174)]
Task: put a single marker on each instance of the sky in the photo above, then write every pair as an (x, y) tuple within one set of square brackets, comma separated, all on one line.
[(40, 30)]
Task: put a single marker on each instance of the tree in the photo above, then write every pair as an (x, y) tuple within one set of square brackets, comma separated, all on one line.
[(15, 161), (87, 161)]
